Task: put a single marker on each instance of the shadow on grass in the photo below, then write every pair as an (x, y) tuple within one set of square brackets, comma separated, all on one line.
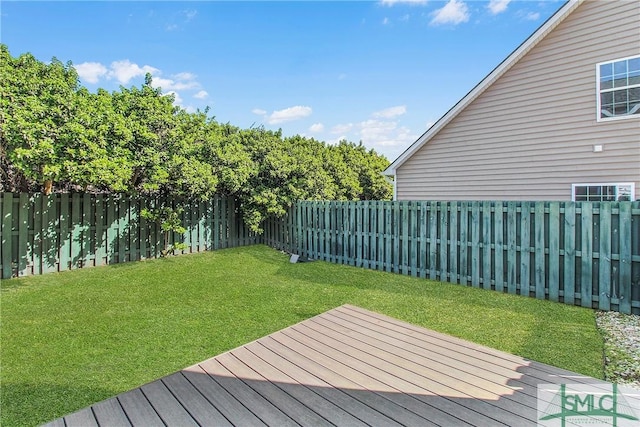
[(45, 402)]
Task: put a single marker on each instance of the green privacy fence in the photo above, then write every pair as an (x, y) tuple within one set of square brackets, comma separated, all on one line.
[(581, 253), (42, 234), (584, 253)]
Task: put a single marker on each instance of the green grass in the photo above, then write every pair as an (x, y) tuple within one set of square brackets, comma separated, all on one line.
[(74, 338)]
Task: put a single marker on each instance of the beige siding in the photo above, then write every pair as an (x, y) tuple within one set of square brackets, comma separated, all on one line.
[(530, 135)]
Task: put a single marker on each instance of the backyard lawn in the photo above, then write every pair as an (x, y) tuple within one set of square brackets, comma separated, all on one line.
[(74, 338)]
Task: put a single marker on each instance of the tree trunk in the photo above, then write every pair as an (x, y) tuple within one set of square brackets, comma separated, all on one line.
[(48, 187)]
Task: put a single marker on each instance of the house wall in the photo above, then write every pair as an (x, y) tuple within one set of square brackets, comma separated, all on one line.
[(531, 134)]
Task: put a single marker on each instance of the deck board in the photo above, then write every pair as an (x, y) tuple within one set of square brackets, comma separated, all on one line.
[(109, 412), (346, 367)]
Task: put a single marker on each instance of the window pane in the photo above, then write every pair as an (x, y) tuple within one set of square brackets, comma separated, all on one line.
[(620, 80), (634, 78), (634, 65), (620, 67), (581, 198), (581, 190), (606, 70), (620, 96), (634, 94), (620, 109), (594, 190), (606, 98)]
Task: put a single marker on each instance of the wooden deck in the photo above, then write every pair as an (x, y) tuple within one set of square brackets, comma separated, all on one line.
[(345, 367)]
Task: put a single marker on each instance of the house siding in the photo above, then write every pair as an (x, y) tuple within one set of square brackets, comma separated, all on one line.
[(530, 134)]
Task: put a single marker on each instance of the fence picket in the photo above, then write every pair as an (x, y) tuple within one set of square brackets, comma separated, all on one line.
[(475, 244), (433, 239), (569, 294), (486, 244), (498, 270), (626, 256), (511, 248), (586, 254), (453, 243), (525, 248), (64, 254), (554, 251), (540, 267), (444, 242), (604, 258), (7, 235), (24, 247)]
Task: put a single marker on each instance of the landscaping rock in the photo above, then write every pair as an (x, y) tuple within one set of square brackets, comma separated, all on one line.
[(621, 333)]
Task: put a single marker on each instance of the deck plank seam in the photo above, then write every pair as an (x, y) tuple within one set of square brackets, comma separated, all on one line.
[(205, 397), (180, 401), (278, 385), (390, 386), (423, 387), (342, 390), (152, 406), (236, 378), (325, 385), (305, 386), (363, 387), (473, 371), (265, 380), (423, 331), (228, 393), (547, 370), (532, 395)]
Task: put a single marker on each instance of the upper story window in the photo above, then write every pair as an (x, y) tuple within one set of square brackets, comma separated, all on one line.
[(619, 88)]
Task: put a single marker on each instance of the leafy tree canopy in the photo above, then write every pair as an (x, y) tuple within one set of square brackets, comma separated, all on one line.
[(57, 136)]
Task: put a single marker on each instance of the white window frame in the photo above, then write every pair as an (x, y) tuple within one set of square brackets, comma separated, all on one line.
[(605, 184), (599, 117)]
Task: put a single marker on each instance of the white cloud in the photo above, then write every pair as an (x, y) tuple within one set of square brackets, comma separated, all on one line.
[(498, 6), (259, 111), (532, 16), (391, 112), (91, 71), (124, 70), (201, 94), (170, 84), (316, 127), (342, 128), (383, 133), (171, 27), (392, 2), (385, 21), (189, 14), (454, 12), (184, 76), (289, 114)]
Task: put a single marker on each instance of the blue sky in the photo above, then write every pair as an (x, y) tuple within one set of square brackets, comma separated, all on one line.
[(380, 72)]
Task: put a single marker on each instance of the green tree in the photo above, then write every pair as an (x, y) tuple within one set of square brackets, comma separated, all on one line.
[(135, 140), (37, 118)]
